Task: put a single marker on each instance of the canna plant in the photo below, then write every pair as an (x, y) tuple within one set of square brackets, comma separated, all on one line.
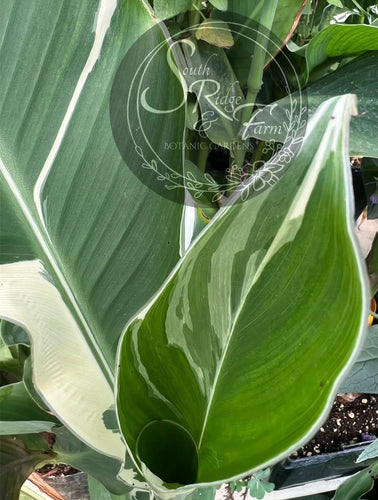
[(166, 328)]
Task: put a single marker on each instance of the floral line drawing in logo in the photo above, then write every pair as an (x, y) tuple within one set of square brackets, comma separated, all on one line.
[(261, 176), (213, 113)]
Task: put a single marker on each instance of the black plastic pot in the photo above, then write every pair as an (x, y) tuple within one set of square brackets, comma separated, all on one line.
[(72, 487), (294, 472)]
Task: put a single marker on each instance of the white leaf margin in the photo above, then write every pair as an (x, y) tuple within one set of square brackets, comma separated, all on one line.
[(64, 367), (340, 108)]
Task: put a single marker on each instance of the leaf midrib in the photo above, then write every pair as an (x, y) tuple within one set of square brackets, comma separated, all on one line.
[(326, 146)]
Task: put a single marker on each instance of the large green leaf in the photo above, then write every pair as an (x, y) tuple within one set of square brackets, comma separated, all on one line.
[(79, 258), (339, 41), (236, 360)]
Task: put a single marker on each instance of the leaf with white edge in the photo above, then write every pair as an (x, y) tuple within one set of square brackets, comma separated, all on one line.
[(79, 259), (48, 319), (20, 414), (70, 450), (363, 376), (358, 484), (98, 492), (242, 321), (370, 452)]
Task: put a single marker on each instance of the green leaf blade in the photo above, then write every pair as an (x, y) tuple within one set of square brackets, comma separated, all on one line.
[(339, 41), (226, 336), (220, 4), (363, 376), (370, 452), (76, 262), (165, 9)]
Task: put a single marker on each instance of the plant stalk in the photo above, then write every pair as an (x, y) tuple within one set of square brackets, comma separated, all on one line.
[(195, 13), (256, 71)]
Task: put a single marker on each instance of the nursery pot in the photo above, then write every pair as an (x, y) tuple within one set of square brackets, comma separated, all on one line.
[(71, 487)]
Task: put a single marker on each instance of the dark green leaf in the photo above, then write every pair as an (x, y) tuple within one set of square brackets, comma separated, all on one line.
[(369, 169), (372, 263), (370, 452), (12, 361), (13, 334), (247, 16), (20, 414), (339, 41), (209, 75), (169, 8), (358, 484), (17, 463), (364, 126), (220, 4), (363, 376)]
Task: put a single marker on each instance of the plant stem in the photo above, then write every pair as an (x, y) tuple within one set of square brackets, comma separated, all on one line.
[(195, 13), (359, 7), (259, 152), (202, 157), (256, 71)]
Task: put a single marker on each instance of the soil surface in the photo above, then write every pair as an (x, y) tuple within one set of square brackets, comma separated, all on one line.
[(56, 470), (353, 419)]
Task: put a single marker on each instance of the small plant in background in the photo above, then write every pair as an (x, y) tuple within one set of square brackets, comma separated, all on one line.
[(256, 485)]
